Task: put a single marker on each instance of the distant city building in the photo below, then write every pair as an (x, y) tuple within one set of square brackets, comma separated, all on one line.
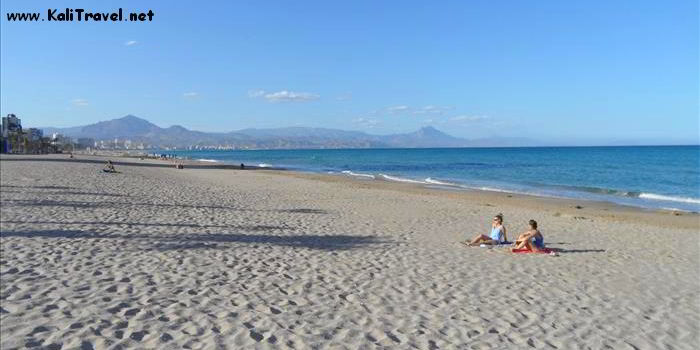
[(61, 142), (12, 138), (35, 134), (11, 124), (86, 142)]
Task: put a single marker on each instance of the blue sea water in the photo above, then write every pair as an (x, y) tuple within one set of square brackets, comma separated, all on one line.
[(645, 176)]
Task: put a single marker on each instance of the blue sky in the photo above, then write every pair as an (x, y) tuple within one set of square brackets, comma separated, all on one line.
[(561, 70)]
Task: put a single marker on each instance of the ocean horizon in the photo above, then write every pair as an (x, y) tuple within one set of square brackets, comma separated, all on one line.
[(652, 177)]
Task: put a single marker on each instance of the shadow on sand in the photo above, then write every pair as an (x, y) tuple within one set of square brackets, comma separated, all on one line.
[(152, 224), (42, 187), (70, 193), (112, 204), (566, 251), (162, 242)]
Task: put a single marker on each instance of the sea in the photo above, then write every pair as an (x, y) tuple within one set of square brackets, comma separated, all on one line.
[(652, 177)]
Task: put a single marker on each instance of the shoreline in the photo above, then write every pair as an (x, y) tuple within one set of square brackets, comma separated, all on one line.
[(643, 199), (565, 207), (553, 205)]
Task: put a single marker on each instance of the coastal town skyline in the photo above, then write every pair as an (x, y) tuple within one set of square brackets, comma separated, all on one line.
[(134, 133), (594, 74)]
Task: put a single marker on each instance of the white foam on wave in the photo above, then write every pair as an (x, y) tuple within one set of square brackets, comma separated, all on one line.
[(494, 189), (430, 180), (660, 197), (264, 165), (348, 172), (501, 190), (208, 160), (401, 179), (676, 209)]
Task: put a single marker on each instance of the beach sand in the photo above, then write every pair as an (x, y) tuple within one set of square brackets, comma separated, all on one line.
[(208, 258)]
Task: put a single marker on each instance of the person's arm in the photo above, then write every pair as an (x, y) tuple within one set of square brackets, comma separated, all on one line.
[(525, 236), (505, 238)]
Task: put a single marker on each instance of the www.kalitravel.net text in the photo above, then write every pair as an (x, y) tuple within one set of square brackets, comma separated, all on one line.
[(81, 15)]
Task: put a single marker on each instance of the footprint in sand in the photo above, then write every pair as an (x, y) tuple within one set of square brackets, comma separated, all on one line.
[(138, 336), (256, 336)]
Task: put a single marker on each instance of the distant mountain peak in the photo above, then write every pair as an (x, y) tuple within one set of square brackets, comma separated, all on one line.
[(130, 117), (430, 131)]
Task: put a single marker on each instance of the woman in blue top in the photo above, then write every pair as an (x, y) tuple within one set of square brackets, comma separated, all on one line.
[(531, 239), (496, 236)]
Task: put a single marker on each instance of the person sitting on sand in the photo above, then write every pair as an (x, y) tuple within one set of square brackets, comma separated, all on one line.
[(109, 167), (531, 239), (498, 233)]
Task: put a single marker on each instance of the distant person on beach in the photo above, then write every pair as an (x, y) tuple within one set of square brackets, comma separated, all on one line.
[(497, 235), (531, 239), (242, 166), (109, 167)]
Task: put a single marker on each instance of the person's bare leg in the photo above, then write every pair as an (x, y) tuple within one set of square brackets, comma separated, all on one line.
[(478, 239), (522, 245)]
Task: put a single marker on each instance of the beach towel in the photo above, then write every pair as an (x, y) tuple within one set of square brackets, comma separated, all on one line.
[(500, 244)]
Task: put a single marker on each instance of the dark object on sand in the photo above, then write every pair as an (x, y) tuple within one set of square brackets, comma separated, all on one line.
[(242, 166), (179, 166), (109, 167)]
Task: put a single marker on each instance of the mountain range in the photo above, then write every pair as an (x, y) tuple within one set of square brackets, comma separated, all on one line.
[(139, 130)]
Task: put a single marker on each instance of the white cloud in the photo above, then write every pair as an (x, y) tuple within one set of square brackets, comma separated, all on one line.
[(432, 110), (367, 122), (284, 96), (470, 118), (426, 110), (256, 93), (190, 94), (131, 43), (79, 102), (397, 109)]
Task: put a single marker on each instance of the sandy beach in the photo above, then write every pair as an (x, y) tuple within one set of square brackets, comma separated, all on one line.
[(155, 257)]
